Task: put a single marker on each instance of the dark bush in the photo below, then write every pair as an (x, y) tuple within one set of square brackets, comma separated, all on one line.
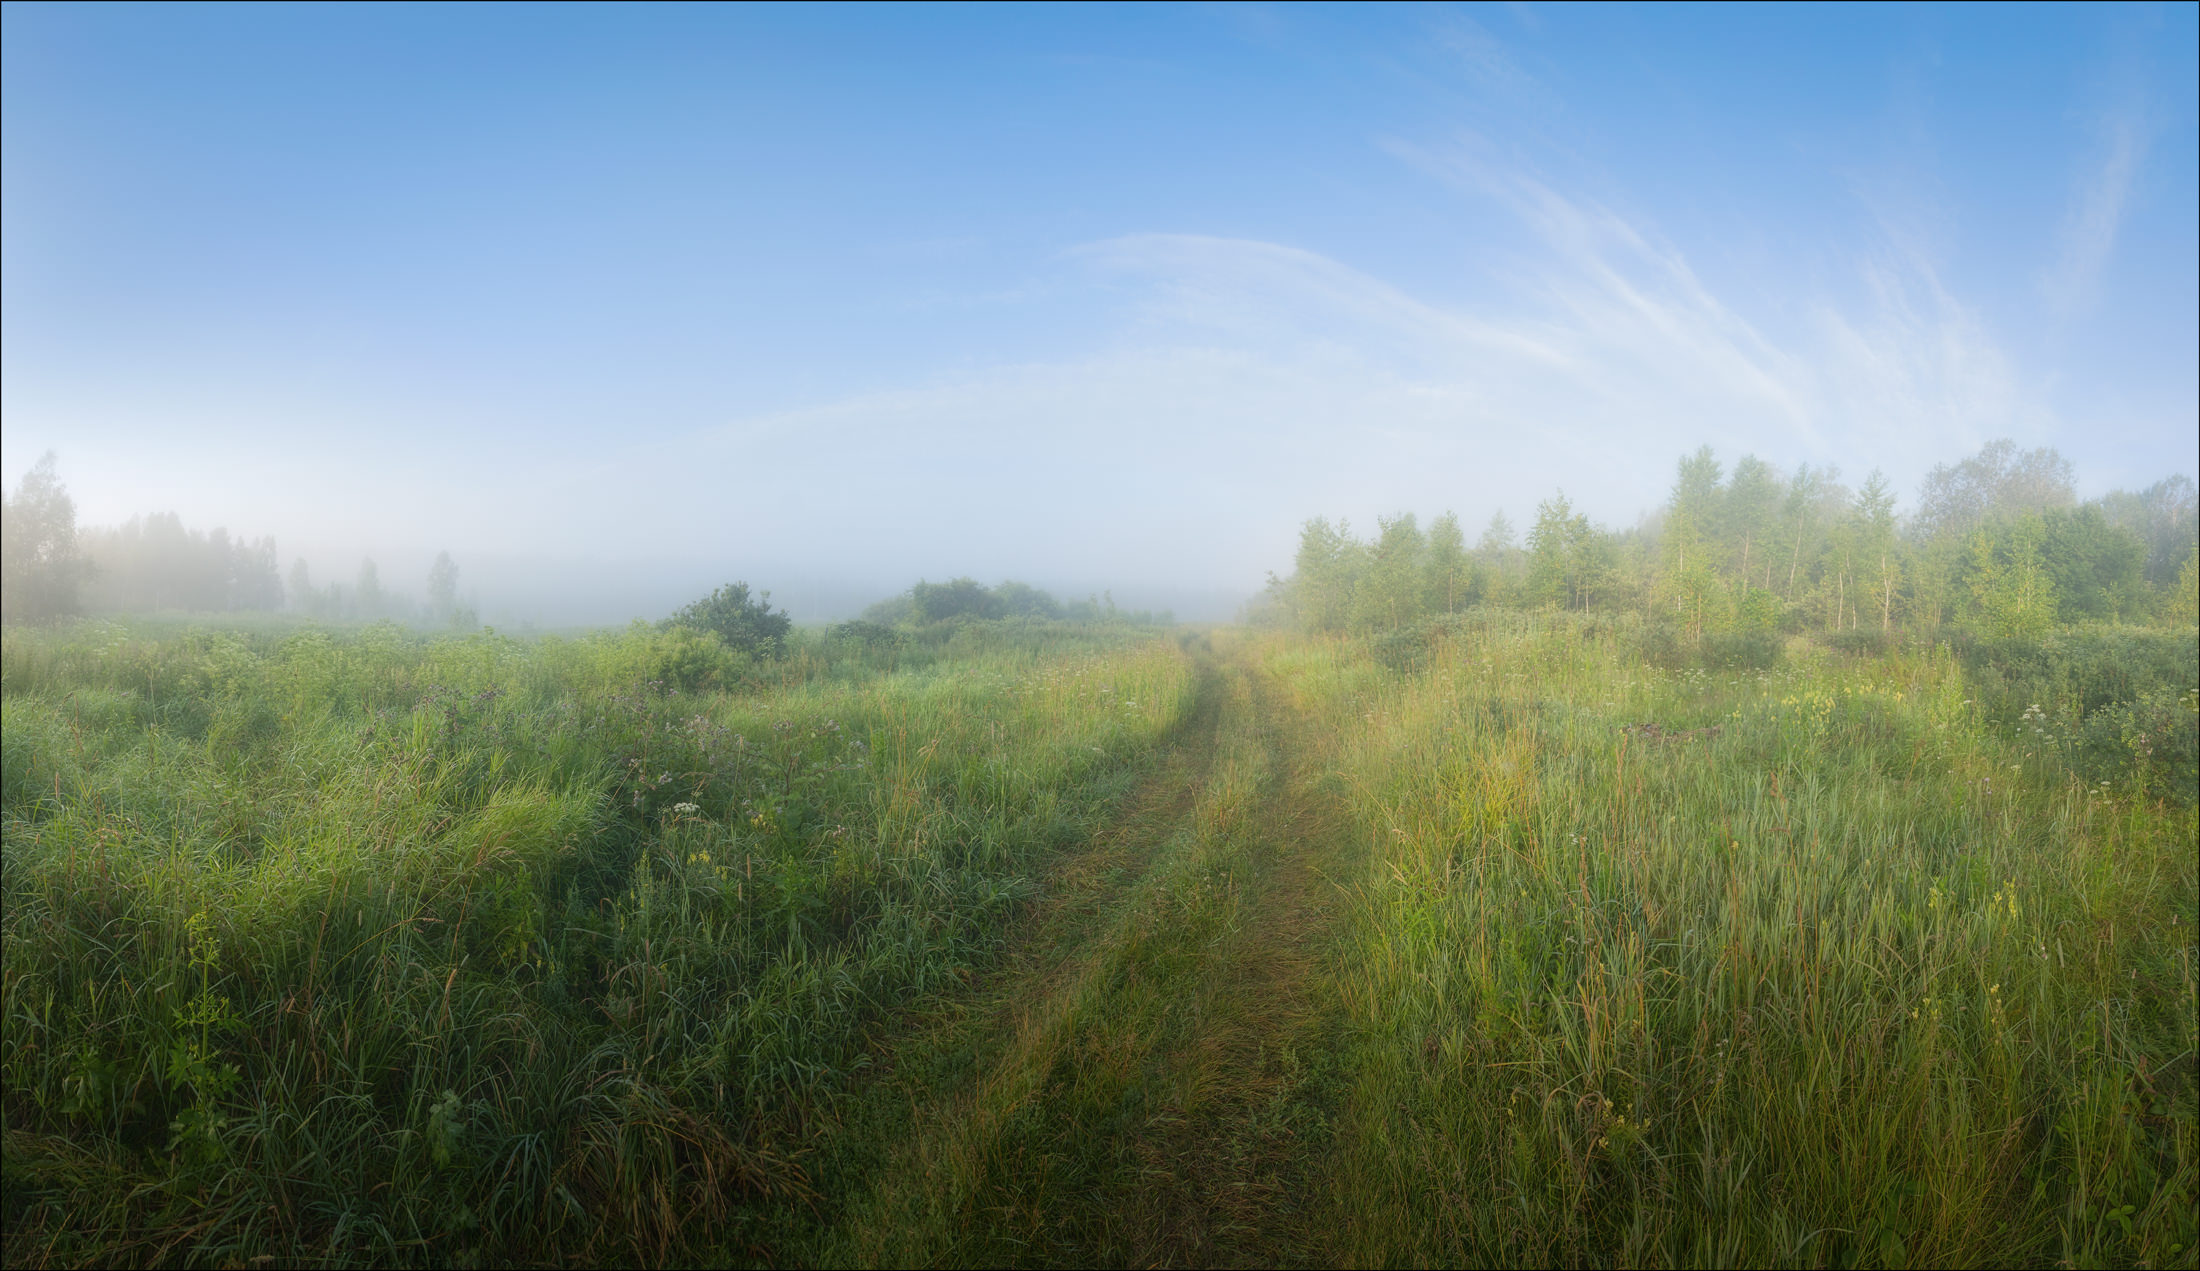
[(1405, 649), (1739, 651), (2118, 700), (892, 611), (2154, 742), (1663, 646), (868, 634), (1409, 648), (1022, 600), (1859, 643), (956, 598), (2076, 671), (1660, 645), (746, 623)]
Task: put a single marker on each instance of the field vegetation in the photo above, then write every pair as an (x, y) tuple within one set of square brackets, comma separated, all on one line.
[(1611, 902), (362, 946), (1810, 964)]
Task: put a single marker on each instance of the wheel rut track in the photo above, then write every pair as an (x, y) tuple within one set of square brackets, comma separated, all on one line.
[(1141, 1081)]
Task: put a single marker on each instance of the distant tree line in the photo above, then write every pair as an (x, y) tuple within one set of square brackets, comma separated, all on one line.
[(965, 599), (1998, 542), (156, 564), (720, 640), (367, 600)]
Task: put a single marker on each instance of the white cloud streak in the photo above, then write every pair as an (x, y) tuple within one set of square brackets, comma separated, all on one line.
[(1252, 384), (1260, 383), (2096, 213)]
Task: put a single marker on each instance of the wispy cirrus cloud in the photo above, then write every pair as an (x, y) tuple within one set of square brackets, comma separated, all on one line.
[(1892, 373), (1243, 385), (1251, 384), (2096, 214), (1592, 286), (1294, 293)]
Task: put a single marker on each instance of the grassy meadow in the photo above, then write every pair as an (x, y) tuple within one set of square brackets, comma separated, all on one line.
[(1507, 939), (360, 947), (1811, 964)]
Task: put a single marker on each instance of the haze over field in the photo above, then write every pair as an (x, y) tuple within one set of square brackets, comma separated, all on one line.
[(616, 304)]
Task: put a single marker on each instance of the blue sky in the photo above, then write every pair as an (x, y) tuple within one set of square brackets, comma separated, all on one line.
[(627, 299)]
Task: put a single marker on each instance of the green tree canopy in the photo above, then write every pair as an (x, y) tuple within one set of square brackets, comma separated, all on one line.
[(1449, 582), (1557, 553), (1327, 575), (2099, 569), (743, 621), (1390, 591), (2164, 516), (955, 598), (1022, 600), (2000, 482)]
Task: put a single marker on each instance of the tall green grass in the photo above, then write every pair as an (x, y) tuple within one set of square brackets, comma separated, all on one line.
[(355, 946), (1822, 967), (362, 947)]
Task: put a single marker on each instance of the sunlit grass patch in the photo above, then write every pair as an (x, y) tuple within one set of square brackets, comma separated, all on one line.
[(1757, 966)]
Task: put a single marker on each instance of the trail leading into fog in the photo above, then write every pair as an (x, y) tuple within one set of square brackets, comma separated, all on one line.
[(1148, 1081)]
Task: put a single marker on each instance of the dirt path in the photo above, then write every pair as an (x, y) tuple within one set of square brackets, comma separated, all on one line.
[(1147, 1081)]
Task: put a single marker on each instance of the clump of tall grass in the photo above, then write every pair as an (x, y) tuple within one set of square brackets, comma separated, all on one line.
[(360, 947), (1808, 963)]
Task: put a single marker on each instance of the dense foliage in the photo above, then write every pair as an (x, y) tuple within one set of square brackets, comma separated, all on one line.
[(1997, 544), (743, 622), (929, 604)]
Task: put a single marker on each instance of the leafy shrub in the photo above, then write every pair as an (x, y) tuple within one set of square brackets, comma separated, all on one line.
[(2153, 742), (1409, 648), (1661, 645), (2076, 671), (1861, 642), (891, 611), (956, 598), (867, 634), (1761, 610), (1739, 650), (1405, 649), (2119, 698), (1021, 600), (746, 623), (693, 661)]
